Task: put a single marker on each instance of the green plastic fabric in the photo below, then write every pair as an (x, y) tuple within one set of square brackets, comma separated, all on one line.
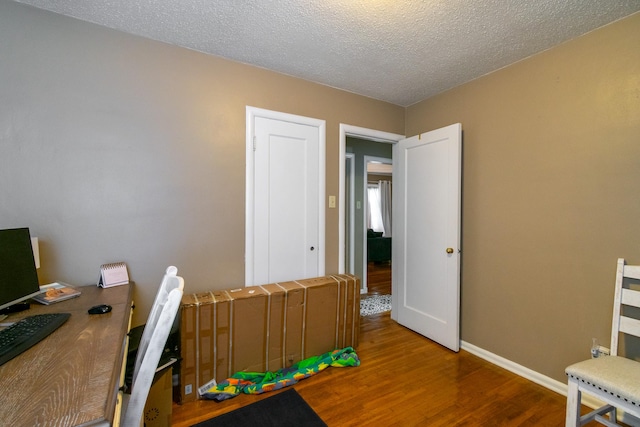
[(260, 382)]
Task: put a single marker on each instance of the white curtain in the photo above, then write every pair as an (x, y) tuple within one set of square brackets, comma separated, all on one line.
[(385, 206), (379, 212), (374, 214)]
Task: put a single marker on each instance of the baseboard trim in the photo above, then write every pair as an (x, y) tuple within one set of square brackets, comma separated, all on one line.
[(517, 369), (543, 380), (531, 375)]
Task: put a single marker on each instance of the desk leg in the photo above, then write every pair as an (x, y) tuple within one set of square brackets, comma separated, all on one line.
[(117, 416)]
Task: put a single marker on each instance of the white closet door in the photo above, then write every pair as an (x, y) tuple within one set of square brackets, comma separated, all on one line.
[(285, 194)]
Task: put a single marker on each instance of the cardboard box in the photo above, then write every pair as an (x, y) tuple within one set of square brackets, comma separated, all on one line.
[(249, 325), (264, 328), (157, 410), (349, 311), (293, 314), (277, 300)]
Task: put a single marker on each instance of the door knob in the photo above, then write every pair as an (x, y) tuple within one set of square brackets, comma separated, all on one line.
[(449, 250)]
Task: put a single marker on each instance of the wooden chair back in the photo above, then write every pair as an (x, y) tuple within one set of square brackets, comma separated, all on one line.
[(152, 343), (627, 293)]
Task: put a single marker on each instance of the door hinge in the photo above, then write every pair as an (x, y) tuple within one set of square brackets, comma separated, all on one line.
[(254, 142)]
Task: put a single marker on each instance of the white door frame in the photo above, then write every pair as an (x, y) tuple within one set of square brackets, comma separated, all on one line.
[(358, 132), (350, 159), (251, 114)]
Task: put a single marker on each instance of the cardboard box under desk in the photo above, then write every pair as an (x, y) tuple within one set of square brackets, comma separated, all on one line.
[(157, 409), (265, 328)]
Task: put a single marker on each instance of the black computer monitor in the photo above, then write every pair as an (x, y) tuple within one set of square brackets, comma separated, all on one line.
[(18, 276)]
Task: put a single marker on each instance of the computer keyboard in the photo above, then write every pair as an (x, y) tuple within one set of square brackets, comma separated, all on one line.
[(27, 332)]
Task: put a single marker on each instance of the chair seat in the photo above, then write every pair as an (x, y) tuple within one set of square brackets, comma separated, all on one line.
[(617, 376)]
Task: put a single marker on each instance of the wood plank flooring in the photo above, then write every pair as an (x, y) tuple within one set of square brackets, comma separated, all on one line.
[(407, 380), (379, 278)]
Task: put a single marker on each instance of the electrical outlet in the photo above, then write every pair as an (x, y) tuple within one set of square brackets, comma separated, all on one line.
[(603, 351), (598, 350)]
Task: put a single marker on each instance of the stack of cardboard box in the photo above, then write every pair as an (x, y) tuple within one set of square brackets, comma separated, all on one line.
[(264, 328)]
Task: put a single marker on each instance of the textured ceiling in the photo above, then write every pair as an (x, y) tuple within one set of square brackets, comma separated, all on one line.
[(400, 51)]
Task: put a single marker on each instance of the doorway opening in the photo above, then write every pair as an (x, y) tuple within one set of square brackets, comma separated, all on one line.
[(377, 181), (353, 200)]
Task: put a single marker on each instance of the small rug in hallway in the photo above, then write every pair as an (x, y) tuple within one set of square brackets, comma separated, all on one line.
[(374, 304), (286, 409)]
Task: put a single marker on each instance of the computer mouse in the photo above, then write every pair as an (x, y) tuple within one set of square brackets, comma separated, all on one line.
[(100, 309)]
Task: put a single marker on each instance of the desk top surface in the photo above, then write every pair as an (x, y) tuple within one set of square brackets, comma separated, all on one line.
[(71, 377)]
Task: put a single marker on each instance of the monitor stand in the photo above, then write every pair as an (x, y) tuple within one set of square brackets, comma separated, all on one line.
[(21, 306)]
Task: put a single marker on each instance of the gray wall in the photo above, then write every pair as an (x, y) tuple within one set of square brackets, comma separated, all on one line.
[(118, 148), (106, 153)]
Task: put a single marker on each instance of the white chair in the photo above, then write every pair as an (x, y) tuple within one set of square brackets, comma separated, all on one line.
[(152, 344), (612, 379)]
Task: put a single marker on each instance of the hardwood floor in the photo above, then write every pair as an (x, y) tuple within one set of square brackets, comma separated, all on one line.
[(407, 380), (379, 278)]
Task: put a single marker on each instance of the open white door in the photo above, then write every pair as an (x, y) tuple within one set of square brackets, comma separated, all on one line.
[(426, 234)]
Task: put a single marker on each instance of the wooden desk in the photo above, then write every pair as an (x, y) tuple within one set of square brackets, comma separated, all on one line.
[(71, 377)]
